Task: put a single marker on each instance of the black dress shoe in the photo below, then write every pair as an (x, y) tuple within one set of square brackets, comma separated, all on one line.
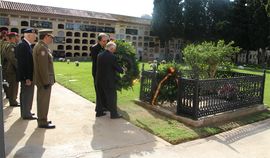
[(100, 114), (15, 105), (116, 116), (30, 118), (48, 126)]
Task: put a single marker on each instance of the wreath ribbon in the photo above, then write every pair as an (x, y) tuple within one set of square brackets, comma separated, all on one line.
[(170, 71)]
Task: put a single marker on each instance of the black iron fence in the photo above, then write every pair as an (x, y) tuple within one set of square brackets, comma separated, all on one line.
[(197, 98), (148, 85)]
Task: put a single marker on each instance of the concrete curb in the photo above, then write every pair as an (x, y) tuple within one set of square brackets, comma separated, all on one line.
[(204, 121)]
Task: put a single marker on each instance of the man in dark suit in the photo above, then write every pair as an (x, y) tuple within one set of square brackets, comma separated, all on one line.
[(23, 53), (95, 50), (107, 68)]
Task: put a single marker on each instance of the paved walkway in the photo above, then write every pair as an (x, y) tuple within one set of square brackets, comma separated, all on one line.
[(79, 134)]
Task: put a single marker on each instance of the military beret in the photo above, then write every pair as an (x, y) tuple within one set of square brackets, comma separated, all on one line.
[(12, 34), (3, 32), (30, 30), (46, 32)]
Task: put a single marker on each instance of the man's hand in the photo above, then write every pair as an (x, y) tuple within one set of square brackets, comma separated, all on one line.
[(28, 82), (124, 69)]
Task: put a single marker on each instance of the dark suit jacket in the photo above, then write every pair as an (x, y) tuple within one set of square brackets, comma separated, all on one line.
[(24, 57), (107, 67), (95, 50)]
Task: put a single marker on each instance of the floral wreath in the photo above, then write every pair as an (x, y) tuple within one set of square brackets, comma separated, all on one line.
[(125, 54)]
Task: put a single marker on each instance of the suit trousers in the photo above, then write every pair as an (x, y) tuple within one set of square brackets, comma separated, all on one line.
[(26, 99), (12, 89), (108, 97), (43, 101), (99, 106)]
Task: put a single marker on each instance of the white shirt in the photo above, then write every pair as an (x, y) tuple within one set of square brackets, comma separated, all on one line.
[(27, 42)]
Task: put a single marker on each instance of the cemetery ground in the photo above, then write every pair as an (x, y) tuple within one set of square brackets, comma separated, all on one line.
[(79, 80)]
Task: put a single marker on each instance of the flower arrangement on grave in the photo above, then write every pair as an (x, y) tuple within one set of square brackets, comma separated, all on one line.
[(228, 91), (166, 90)]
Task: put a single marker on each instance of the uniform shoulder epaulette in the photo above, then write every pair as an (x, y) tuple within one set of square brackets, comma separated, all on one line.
[(43, 45), (11, 44)]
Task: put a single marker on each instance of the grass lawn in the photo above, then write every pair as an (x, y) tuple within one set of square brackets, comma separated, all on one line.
[(79, 80)]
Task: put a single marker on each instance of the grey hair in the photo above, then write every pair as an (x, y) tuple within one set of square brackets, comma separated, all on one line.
[(109, 45), (26, 35), (102, 35)]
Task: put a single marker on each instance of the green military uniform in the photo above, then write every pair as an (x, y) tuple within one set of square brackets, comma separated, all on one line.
[(43, 78), (3, 49), (2, 43), (3, 46), (11, 67)]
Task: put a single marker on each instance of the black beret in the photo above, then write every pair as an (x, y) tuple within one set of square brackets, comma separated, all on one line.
[(30, 30)]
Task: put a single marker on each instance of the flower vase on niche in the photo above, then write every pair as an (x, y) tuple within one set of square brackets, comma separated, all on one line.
[(77, 63)]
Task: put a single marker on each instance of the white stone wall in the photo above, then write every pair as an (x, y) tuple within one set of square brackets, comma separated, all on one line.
[(252, 57), (149, 47)]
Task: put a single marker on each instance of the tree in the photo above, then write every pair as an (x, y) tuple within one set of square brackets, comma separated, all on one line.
[(258, 28), (195, 20), (239, 26), (167, 20), (267, 7), (219, 13), (205, 58), (243, 21)]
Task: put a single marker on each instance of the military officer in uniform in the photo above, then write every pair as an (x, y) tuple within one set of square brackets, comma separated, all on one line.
[(3, 45), (2, 41), (43, 76), (107, 67), (23, 53), (11, 67), (95, 50)]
